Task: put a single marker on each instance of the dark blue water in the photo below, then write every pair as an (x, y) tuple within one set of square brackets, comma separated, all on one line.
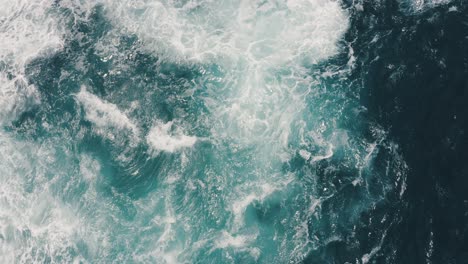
[(233, 131), (421, 100)]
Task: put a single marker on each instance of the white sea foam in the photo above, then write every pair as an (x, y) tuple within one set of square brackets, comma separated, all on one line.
[(328, 155), (167, 137), (305, 154), (34, 225), (251, 40), (27, 30), (375, 250), (16, 96), (239, 241), (420, 5), (271, 31), (251, 192), (89, 167), (104, 115), (257, 101)]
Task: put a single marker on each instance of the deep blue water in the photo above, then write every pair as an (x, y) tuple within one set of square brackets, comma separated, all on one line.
[(300, 131), (422, 102)]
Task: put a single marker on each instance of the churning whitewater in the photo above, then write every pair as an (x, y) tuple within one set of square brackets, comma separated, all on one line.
[(177, 131)]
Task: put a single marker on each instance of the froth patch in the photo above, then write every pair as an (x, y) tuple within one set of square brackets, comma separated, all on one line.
[(164, 137), (27, 30), (104, 115), (16, 96), (35, 226), (238, 241), (89, 167), (259, 31), (421, 5)]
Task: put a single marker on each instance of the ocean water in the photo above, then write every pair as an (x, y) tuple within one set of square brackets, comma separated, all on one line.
[(176, 131)]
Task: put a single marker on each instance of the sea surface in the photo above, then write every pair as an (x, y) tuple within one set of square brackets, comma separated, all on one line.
[(234, 131)]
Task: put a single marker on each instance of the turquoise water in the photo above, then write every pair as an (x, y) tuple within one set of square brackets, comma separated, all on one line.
[(187, 132)]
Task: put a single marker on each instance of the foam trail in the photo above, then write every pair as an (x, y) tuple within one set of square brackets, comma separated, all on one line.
[(229, 241), (105, 115), (421, 5)]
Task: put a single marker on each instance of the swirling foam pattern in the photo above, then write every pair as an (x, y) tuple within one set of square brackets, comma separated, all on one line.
[(186, 132)]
